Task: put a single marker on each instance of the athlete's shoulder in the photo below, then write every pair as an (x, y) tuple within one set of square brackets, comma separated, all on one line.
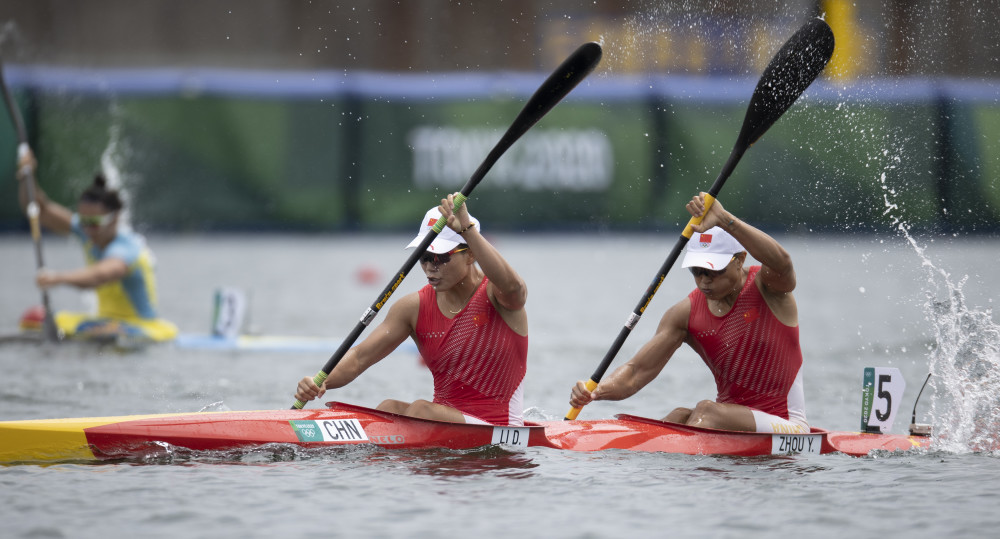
[(126, 245)]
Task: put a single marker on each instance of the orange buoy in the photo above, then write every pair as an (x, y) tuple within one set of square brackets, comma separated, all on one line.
[(32, 318), (368, 275)]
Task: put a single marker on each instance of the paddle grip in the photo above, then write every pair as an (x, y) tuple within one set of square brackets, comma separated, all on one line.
[(689, 230), (591, 385), (33, 213), (318, 380), (441, 223), (22, 151)]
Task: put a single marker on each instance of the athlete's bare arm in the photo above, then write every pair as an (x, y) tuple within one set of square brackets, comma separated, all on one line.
[(628, 379), (399, 324)]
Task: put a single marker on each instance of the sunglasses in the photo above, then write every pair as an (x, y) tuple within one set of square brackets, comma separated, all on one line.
[(97, 221), (702, 272), (435, 259)]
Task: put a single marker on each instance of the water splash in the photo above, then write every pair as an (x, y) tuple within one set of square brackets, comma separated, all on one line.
[(111, 159), (217, 406), (965, 351), (687, 37), (965, 363)]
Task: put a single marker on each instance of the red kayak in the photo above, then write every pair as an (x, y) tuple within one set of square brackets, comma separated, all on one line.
[(111, 438), (642, 434)]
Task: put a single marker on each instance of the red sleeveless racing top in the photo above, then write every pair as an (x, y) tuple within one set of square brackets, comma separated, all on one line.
[(477, 361), (753, 356)]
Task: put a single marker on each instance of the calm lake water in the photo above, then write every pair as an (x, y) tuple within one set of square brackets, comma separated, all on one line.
[(864, 301)]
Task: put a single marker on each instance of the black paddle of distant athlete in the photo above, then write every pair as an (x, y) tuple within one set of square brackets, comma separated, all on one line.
[(570, 73), (796, 65), (49, 331)]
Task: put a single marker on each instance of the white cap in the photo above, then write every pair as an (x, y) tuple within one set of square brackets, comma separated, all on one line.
[(446, 240), (711, 249)]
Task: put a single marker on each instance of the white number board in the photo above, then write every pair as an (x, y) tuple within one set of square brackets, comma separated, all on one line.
[(329, 430), (882, 391), (786, 444), (516, 436)]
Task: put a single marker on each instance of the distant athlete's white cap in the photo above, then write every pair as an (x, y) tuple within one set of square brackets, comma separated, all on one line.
[(711, 249), (446, 240)]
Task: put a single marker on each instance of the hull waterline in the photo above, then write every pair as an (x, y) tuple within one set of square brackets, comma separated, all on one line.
[(123, 437)]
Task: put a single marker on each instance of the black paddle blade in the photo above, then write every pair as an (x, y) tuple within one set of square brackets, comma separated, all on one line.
[(796, 65), (560, 83)]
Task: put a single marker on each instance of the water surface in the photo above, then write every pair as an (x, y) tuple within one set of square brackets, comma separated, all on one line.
[(864, 301)]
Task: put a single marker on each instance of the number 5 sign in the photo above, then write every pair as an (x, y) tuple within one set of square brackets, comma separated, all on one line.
[(882, 392)]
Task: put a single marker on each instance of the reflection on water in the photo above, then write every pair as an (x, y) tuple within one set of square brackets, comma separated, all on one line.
[(492, 460), (452, 464), (737, 467)]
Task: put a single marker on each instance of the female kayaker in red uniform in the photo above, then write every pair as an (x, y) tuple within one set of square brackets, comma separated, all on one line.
[(469, 324), (742, 321)]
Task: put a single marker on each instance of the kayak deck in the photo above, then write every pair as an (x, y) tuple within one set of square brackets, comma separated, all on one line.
[(340, 424)]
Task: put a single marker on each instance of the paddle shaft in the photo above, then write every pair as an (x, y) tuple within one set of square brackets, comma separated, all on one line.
[(794, 67), (557, 86), (27, 175)]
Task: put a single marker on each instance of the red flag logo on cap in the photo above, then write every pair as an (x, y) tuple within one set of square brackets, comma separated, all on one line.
[(706, 239), (431, 221)]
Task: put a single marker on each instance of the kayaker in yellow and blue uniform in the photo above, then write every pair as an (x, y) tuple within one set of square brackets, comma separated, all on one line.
[(119, 266)]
